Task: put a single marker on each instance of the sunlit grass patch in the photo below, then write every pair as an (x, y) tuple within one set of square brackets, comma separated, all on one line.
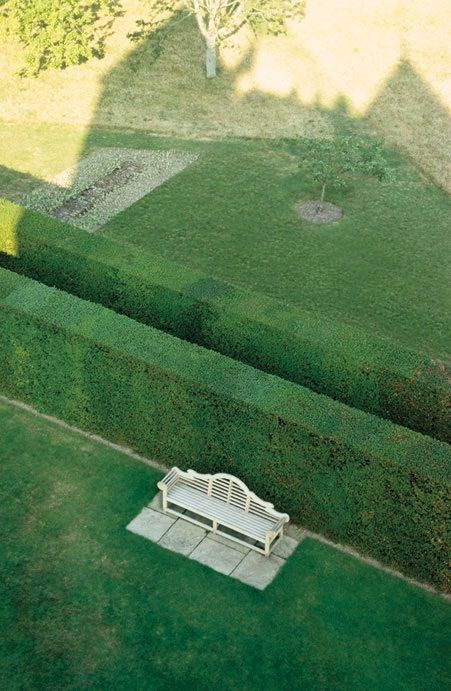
[(9, 221), (31, 154), (286, 86)]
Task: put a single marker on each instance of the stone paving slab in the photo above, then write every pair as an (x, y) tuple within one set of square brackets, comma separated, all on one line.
[(156, 503), (215, 551), (258, 570), (229, 543), (296, 532), (217, 556), (151, 524), (285, 547), (182, 537)]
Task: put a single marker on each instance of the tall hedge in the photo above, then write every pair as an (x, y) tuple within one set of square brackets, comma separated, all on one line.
[(370, 373), (360, 479)]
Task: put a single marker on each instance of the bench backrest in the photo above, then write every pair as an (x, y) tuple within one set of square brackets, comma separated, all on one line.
[(230, 490)]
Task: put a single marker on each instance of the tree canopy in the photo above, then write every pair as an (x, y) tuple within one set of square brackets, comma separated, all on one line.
[(58, 33), (332, 162)]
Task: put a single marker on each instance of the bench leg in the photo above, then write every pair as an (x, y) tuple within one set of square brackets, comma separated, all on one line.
[(215, 525), (164, 501), (267, 547)]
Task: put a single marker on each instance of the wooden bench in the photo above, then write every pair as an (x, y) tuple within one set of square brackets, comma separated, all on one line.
[(223, 504)]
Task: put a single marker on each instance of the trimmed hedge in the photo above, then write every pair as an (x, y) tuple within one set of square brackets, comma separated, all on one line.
[(360, 479), (367, 372)]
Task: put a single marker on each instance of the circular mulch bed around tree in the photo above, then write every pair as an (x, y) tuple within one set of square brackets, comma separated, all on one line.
[(320, 212)]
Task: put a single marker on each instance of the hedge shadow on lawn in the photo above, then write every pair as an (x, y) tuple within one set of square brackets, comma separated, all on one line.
[(346, 363)]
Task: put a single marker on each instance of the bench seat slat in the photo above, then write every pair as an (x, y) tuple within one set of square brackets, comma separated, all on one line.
[(219, 508), (215, 508), (259, 515)]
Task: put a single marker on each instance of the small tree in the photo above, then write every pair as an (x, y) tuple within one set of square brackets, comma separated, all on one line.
[(332, 162), (58, 33), (217, 20)]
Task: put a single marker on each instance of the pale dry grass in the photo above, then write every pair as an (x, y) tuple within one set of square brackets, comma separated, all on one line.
[(386, 61), (389, 62)]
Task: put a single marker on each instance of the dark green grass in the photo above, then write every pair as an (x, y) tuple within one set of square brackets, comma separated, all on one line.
[(85, 604), (233, 215)]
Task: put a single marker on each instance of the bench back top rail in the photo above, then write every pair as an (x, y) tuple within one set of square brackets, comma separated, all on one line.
[(227, 488)]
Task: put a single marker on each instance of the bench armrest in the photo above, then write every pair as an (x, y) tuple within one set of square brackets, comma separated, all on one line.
[(168, 480), (166, 483), (282, 520)]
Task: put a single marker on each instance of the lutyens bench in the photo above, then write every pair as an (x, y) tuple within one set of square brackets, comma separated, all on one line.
[(223, 504)]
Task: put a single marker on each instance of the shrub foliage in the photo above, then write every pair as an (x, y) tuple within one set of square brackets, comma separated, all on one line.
[(333, 162), (358, 478), (370, 373), (58, 33)]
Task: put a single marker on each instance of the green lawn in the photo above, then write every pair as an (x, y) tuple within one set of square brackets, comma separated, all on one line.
[(83, 602), (232, 214), (387, 62), (86, 604)]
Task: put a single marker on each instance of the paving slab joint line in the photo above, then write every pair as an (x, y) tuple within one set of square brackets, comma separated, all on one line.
[(240, 561), (167, 529), (164, 469), (195, 546)]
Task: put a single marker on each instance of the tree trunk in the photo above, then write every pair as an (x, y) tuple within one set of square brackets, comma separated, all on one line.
[(323, 192), (211, 60)]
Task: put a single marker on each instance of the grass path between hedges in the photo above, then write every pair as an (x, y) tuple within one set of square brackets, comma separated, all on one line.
[(84, 603), (232, 214)]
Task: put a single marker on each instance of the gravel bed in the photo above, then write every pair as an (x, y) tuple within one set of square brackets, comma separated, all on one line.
[(320, 212), (105, 183)]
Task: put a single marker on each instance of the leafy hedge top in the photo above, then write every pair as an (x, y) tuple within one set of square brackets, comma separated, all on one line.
[(149, 269), (226, 377), (358, 478), (365, 371)]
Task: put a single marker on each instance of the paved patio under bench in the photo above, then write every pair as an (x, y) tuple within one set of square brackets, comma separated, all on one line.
[(226, 556)]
